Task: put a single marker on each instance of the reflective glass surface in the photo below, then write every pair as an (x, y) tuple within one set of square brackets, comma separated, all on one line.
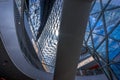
[(34, 16), (102, 36), (48, 40)]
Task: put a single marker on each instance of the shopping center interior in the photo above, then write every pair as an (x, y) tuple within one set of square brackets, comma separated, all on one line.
[(60, 40)]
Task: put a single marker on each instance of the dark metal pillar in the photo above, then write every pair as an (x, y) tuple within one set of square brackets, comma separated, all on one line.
[(73, 24)]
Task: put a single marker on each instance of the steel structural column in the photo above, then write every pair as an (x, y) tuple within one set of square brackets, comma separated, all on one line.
[(73, 24)]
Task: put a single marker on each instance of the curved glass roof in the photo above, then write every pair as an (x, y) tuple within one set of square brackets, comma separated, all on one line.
[(102, 36)]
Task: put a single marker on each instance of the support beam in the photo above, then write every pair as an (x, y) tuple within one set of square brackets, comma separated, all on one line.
[(73, 24)]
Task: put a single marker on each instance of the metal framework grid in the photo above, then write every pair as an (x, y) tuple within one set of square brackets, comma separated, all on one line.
[(102, 35)]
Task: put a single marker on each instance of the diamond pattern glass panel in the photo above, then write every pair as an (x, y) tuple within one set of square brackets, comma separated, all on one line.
[(34, 16), (49, 37)]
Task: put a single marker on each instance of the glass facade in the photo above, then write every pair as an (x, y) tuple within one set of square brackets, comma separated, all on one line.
[(102, 36), (49, 38), (46, 44), (34, 16)]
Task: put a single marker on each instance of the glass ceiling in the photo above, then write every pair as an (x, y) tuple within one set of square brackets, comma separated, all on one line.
[(102, 36)]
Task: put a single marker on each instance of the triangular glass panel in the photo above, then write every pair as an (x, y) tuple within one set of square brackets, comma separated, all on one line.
[(113, 48), (116, 70), (102, 50), (96, 7), (93, 19), (99, 28), (105, 3), (113, 4), (97, 39), (89, 43), (117, 58), (116, 33), (111, 18)]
